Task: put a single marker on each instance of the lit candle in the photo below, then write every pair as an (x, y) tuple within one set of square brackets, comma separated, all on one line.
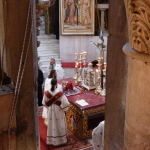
[(105, 65), (80, 56), (99, 60), (77, 64)]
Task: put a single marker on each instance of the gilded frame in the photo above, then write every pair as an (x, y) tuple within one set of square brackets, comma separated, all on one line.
[(77, 17)]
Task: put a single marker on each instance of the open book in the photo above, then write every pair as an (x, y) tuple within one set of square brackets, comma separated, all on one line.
[(82, 102)]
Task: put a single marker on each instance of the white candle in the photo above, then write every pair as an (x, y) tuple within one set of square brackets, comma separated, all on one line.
[(105, 65), (77, 64)]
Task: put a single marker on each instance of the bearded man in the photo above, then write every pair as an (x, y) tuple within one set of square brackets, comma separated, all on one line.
[(54, 66)]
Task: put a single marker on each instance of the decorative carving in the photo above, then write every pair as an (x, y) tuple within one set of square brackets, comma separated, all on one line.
[(138, 15), (77, 120), (42, 5)]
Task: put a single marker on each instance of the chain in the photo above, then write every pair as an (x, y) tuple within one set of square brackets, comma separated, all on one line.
[(20, 75)]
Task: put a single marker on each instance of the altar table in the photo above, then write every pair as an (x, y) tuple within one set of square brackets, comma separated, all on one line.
[(81, 120)]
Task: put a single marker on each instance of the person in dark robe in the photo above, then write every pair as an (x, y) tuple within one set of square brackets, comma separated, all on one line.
[(40, 82)]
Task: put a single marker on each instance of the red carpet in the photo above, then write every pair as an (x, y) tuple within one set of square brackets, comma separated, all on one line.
[(72, 144)]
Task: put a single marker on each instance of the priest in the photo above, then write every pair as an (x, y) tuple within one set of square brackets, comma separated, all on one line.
[(57, 104), (54, 66)]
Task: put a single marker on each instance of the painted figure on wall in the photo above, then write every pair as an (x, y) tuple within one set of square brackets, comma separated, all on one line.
[(77, 16), (70, 12), (85, 12)]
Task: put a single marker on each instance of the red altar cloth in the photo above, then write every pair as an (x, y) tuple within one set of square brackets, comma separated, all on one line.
[(89, 96)]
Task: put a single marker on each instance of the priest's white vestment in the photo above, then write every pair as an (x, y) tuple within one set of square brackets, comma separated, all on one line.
[(59, 70), (98, 136), (57, 128), (47, 87)]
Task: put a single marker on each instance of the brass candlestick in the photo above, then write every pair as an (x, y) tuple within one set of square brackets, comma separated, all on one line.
[(76, 66), (80, 69), (103, 92), (98, 74), (84, 66)]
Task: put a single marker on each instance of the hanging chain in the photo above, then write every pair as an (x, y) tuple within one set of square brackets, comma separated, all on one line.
[(20, 74)]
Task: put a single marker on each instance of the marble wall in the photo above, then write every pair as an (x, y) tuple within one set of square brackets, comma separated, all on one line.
[(69, 45)]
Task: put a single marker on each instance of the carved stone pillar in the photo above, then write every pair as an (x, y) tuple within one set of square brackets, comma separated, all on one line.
[(137, 120), (138, 14)]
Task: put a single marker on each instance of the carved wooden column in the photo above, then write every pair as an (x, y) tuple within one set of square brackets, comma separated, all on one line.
[(137, 120), (17, 15)]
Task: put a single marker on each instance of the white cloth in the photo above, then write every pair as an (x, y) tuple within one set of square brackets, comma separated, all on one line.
[(98, 136), (47, 87), (57, 128), (59, 70)]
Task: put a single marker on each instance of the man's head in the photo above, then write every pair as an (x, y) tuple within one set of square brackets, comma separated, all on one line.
[(52, 61)]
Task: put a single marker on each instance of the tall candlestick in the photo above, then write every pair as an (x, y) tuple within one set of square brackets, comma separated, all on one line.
[(80, 69), (103, 92), (76, 66)]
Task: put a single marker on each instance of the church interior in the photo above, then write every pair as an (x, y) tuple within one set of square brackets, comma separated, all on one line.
[(100, 51)]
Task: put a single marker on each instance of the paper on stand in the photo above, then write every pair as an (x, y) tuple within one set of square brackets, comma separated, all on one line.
[(82, 102)]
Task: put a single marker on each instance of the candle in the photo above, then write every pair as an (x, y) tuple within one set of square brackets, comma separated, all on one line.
[(80, 56), (105, 64), (84, 55), (77, 64)]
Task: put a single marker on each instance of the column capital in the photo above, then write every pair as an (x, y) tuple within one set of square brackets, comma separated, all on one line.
[(137, 12), (102, 6), (135, 54)]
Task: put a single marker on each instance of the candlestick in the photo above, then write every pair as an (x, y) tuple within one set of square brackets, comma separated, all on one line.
[(76, 66), (103, 92), (84, 66), (80, 69)]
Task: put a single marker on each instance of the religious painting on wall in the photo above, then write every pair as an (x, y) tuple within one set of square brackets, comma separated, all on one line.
[(77, 17)]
